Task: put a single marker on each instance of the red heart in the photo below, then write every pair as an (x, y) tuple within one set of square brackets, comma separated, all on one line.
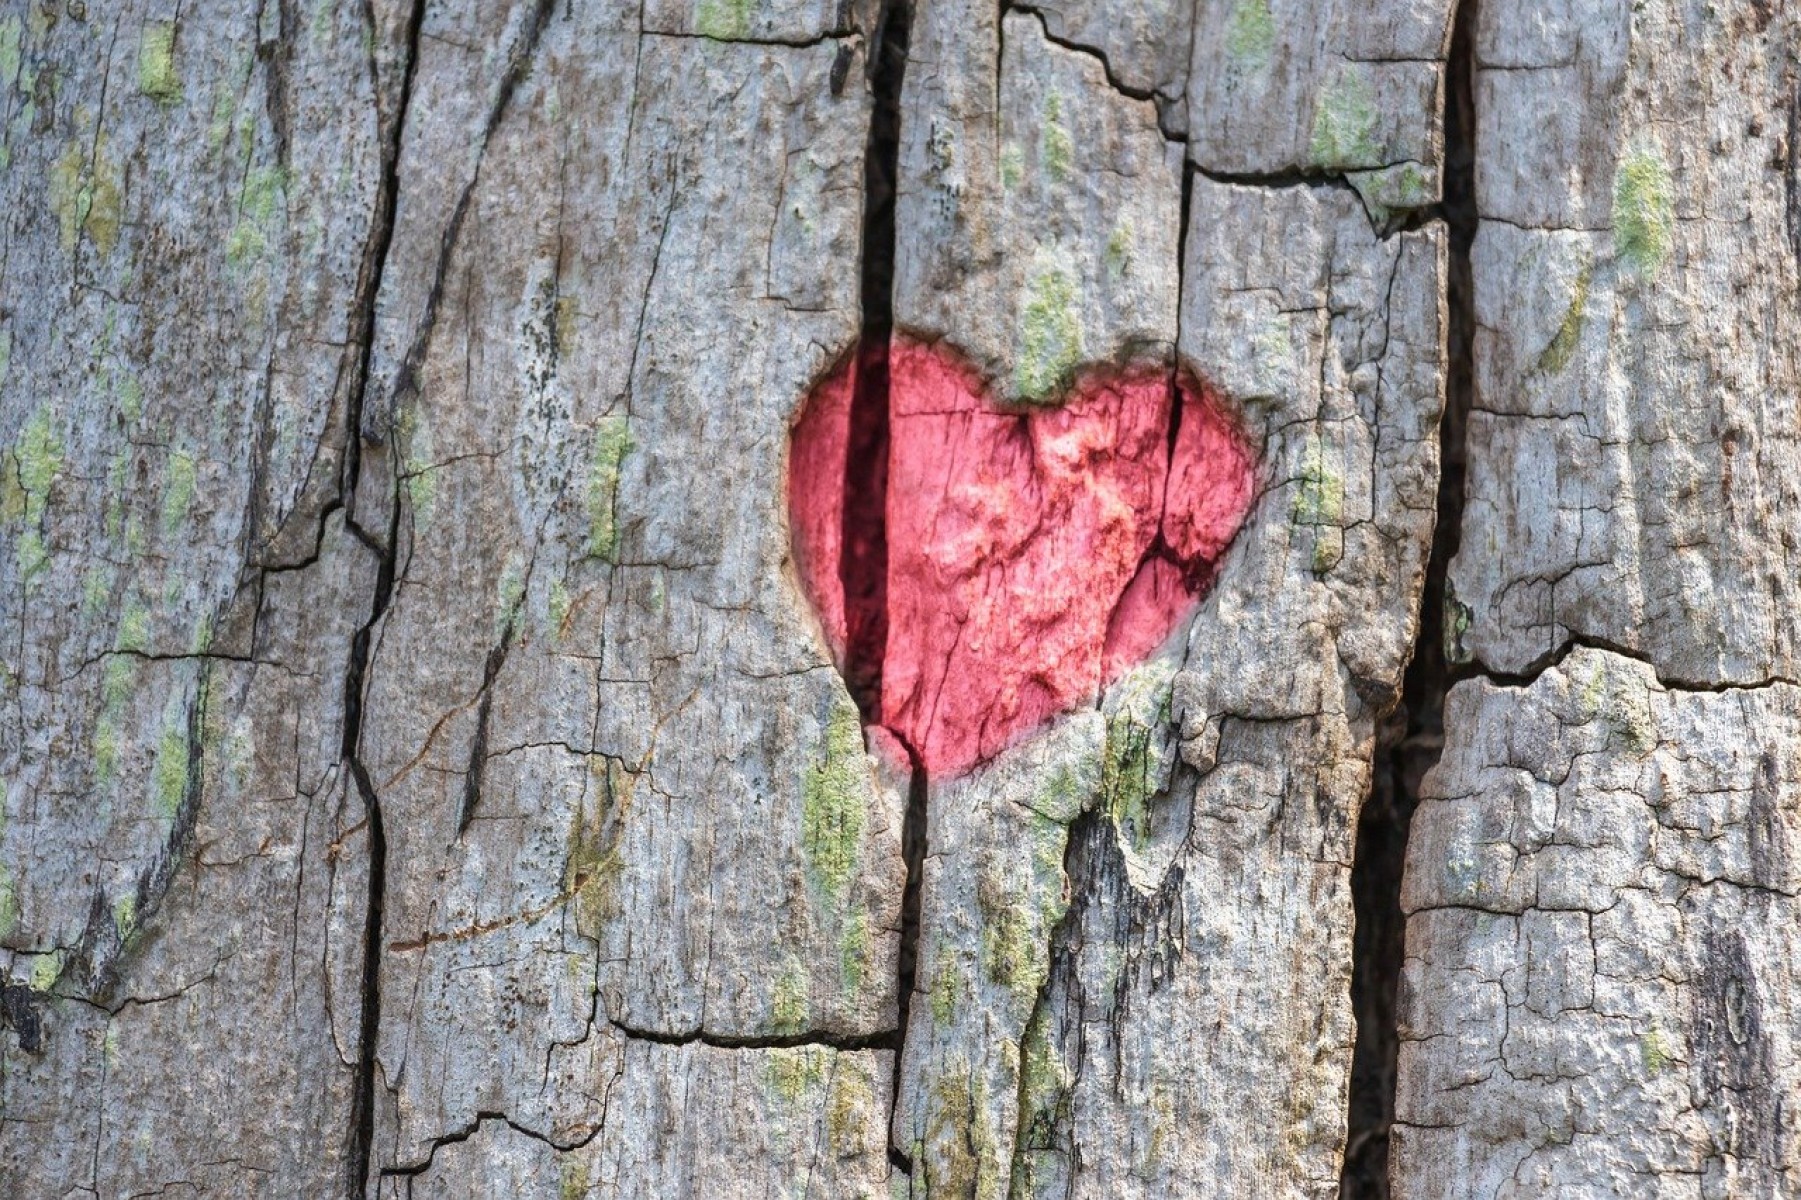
[(981, 570)]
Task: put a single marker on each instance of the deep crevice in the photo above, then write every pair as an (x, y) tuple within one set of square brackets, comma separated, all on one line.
[(1554, 658), (863, 565), (1410, 738), (362, 1117), (474, 773), (886, 1039), (913, 850)]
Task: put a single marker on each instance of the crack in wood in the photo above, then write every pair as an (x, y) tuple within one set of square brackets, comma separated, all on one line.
[(1410, 737)]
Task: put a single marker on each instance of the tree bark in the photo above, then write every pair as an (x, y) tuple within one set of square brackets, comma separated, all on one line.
[(438, 763)]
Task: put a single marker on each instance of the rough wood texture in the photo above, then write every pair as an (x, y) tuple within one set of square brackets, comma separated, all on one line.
[(1601, 956), (425, 773), (1635, 279), (1602, 887), (182, 878), (1169, 871)]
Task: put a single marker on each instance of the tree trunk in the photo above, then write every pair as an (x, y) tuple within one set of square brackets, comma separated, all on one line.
[(716, 598)]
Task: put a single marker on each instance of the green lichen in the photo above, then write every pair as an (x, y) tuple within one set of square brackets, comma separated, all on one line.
[(723, 20), (1056, 149), (945, 989), (1119, 250), (1653, 1052), (834, 797), (96, 587), (1319, 500), (1328, 549), (967, 1163), (557, 607), (169, 779), (1013, 165), (1128, 776), (224, 115), (1463, 871), (1250, 35), (1644, 210), (157, 77), (1414, 188), (130, 394), (32, 555), (573, 1178), (105, 749), (1133, 768), (178, 491), (853, 951), (790, 1004), (1045, 1107), (1065, 795), (848, 1114), (134, 629), (1050, 334), (1344, 124), (125, 915), (116, 681), (9, 903), (1009, 956), (595, 864), (796, 1070), (12, 37), (563, 318), (1050, 839), (419, 474), (85, 195), (46, 969), (1557, 354), (260, 206), (1400, 188), (1046, 1083), (1162, 1124), (35, 461), (612, 442)]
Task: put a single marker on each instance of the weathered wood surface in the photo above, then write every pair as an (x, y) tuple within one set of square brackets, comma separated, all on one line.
[(1600, 986), (424, 774), (189, 210)]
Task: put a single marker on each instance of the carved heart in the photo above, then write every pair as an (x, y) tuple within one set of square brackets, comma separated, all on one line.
[(981, 570)]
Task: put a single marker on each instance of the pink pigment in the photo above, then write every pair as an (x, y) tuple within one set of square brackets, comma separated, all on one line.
[(1032, 556)]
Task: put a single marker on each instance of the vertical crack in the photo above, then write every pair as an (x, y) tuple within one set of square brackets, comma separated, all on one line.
[(863, 567), (362, 1117), (913, 849), (1410, 738)]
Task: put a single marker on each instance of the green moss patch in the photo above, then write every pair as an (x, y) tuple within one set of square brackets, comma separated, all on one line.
[(1644, 210), (1344, 124), (723, 20), (1056, 148), (157, 77), (612, 442), (86, 195), (1250, 35), (1562, 347), (834, 796), (1050, 334)]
